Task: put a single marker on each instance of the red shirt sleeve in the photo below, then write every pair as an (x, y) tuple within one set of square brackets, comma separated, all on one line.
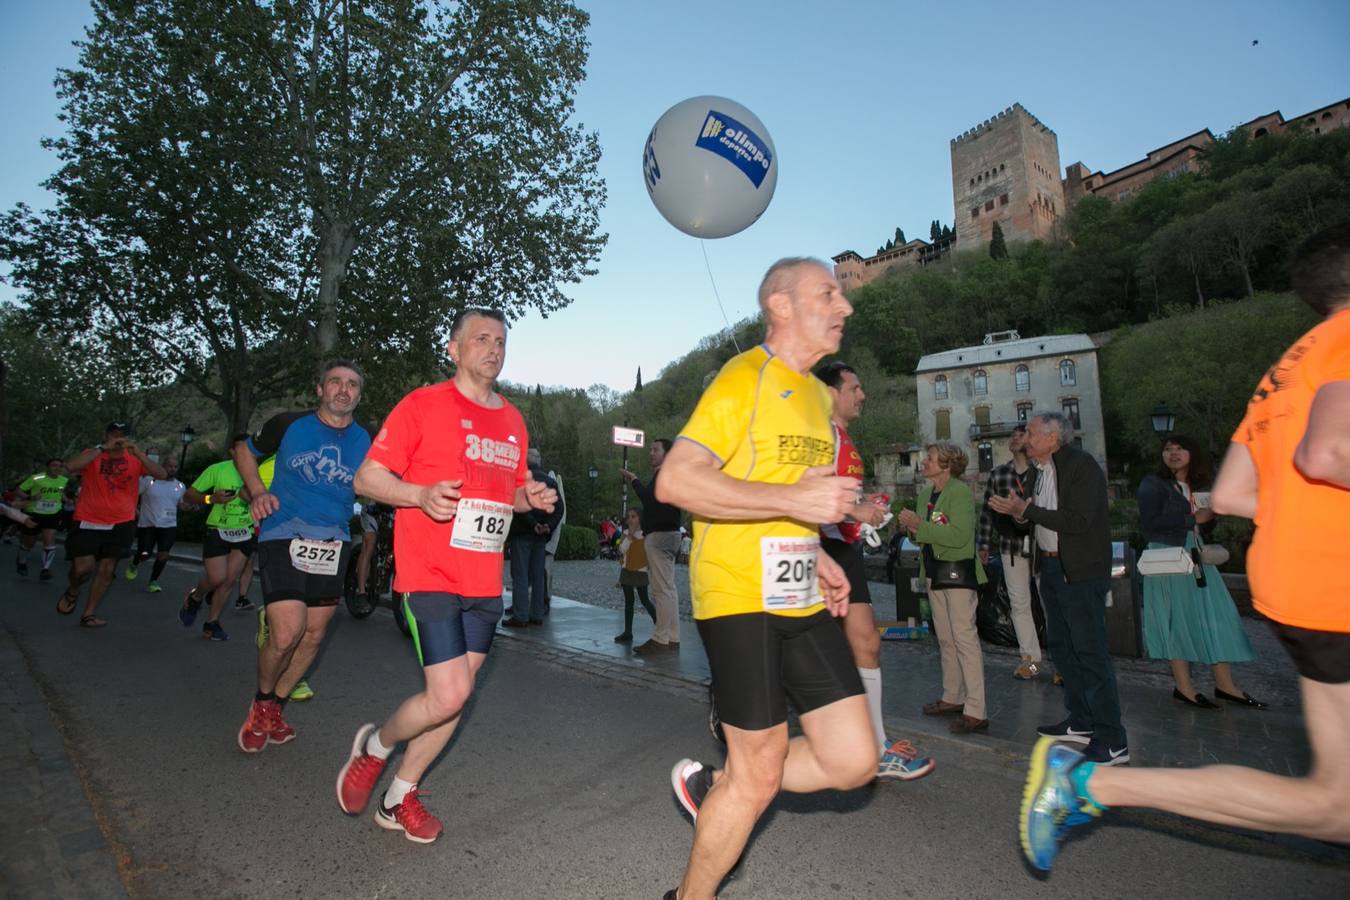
[(398, 438)]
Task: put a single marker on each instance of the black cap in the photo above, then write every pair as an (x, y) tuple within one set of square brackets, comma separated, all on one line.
[(119, 427)]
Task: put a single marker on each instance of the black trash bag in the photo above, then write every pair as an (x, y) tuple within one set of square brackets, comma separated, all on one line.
[(993, 615)]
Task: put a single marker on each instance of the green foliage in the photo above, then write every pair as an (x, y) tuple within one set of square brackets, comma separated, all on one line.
[(578, 543), (1124, 515), (998, 247)]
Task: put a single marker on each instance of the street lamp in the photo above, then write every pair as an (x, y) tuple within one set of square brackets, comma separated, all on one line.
[(185, 437), (1164, 420), (593, 473)]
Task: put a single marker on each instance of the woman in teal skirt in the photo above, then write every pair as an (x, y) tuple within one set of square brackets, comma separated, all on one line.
[(1184, 622)]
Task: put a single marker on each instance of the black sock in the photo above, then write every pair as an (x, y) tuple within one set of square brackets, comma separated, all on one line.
[(260, 697), (158, 570), (281, 701)]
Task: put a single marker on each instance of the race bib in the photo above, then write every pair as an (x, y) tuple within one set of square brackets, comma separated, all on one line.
[(47, 507), (481, 525), (316, 557), (94, 526), (235, 535), (789, 572)]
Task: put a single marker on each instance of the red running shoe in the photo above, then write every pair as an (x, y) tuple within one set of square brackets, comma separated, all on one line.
[(411, 818), (253, 733), (278, 732), (359, 774)]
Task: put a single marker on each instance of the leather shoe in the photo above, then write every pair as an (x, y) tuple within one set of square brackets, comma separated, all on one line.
[(513, 622), (536, 621), (967, 725), (654, 647), (1245, 700), (942, 708), (1200, 699)]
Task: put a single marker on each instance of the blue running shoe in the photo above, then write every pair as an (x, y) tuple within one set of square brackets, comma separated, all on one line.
[(1050, 803), (213, 632), (187, 614), (902, 762)]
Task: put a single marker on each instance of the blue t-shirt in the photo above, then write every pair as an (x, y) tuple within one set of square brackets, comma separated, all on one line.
[(315, 467)]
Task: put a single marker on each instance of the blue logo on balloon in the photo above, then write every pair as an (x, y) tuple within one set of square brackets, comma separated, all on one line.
[(651, 170), (723, 135)]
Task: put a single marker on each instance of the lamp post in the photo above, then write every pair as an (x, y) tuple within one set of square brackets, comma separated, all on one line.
[(593, 473), (1164, 420), (185, 437)]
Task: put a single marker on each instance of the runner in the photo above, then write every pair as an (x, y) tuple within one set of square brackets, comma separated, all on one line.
[(157, 525), (753, 465), (104, 526), (302, 691), (43, 494), (451, 458), (843, 542), (227, 545), (303, 542), (1288, 468)]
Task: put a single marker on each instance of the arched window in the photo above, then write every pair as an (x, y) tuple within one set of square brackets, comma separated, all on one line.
[(981, 382), (1260, 132), (940, 387), (1068, 372), (1022, 378)]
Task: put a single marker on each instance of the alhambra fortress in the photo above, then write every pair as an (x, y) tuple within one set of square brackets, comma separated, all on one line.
[(1006, 170)]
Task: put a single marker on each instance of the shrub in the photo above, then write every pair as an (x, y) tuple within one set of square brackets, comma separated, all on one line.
[(578, 543)]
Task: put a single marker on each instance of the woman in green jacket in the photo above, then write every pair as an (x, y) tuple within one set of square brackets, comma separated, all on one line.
[(943, 525)]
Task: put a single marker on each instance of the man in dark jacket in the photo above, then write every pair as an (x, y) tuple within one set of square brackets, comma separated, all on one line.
[(1073, 563), (529, 539), (661, 525)]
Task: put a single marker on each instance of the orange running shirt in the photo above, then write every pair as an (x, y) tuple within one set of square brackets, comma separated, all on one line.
[(1297, 564)]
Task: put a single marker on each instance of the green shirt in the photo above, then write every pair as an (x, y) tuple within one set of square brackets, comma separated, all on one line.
[(44, 494), (223, 476)]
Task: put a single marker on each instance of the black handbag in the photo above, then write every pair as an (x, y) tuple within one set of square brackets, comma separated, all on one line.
[(955, 574)]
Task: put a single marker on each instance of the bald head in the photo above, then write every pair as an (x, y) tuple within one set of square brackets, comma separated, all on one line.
[(783, 276)]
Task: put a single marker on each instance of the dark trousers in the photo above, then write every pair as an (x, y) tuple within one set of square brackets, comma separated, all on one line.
[(1075, 631), (529, 583)]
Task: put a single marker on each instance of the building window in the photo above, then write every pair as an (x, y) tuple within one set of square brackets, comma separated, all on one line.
[(982, 415), (986, 454), (940, 387), (1068, 373), (1069, 407), (1003, 200), (1024, 412), (1003, 167), (988, 205), (942, 429), (981, 382), (1022, 378), (974, 212)]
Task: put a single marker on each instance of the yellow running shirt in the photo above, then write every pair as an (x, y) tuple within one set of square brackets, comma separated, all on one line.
[(763, 422)]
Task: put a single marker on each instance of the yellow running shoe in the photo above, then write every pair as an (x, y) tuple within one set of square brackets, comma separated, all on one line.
[(302, 691), (262, 628)]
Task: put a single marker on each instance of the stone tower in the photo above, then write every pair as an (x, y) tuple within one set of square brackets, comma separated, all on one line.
[(1006, 170)]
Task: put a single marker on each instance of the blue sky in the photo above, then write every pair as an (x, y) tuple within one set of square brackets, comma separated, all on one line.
[(861, 99)]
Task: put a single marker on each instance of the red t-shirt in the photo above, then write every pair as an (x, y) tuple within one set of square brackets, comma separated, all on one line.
[(437, 434), (109, 486), (848, 463)]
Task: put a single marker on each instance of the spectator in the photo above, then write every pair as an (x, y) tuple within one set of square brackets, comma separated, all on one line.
[(529, 536), (633, 575), (661, 525)]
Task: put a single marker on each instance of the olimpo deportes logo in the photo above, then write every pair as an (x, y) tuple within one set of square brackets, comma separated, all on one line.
[(728, 138)]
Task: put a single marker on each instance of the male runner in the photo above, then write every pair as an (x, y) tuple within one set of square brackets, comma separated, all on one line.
[(1288, 468), (303, 542), (43, 493), (843, 541), (227, 546), (753, 465), (451, 458), (157, 524), (104, 526)]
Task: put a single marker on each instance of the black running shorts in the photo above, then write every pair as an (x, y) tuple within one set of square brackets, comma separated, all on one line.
[(760, 661), (446, 626), (850, 559), (281, 580), (1318, 655), (214, 545), (100, 541), (42, 522)]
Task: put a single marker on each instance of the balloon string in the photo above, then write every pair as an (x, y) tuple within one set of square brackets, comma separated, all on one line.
[(703, 245)]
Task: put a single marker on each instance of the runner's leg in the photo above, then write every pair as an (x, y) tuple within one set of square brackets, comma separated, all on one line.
[(228, 568), (286, 621), (861, 630), (426, 721), (103, 576), (316, 624)]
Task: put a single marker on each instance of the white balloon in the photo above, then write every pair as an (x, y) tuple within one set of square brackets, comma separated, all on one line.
[(710, 166)]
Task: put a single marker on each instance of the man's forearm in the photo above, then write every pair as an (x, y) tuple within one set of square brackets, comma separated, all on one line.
[(247, 465), (383, 486), (706, 491)]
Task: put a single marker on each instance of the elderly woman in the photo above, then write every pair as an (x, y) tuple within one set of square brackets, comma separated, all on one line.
[(943, 525), (1185, 622)]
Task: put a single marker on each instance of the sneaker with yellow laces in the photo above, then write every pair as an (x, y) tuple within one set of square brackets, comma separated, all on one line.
[(302, 691)]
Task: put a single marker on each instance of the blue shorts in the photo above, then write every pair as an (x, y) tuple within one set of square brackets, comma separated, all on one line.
[(446, 626)]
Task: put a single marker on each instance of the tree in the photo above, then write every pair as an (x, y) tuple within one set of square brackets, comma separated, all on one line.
[(637, 387), (246, 187), (998, 248), (899, 236), (935, 232), (947, 233)]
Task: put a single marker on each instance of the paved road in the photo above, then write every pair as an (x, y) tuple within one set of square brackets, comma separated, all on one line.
[(126, 781)]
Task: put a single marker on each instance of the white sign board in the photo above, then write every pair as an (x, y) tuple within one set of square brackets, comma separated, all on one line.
[(629, 437)]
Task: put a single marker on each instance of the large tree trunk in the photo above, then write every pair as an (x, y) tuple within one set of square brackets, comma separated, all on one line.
[(1200, 295), (335, 251)]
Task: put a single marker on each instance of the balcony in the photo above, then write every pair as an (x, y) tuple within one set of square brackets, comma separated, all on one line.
[(980, 431)]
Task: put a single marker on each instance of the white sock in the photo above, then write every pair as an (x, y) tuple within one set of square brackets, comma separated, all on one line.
[(397, 791), (871, 679), (375, 748)]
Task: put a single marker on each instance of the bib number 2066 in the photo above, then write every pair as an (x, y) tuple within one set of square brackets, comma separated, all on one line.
[(789, 572)]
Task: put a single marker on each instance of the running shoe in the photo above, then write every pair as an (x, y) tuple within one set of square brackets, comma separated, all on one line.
[(213, 632), (1104, 755), (1051, 806), (45, 575), (261, 639), (902, 762), (691, 781), (411, 818), (278, 731), (131, 572), (243, 604), (302, 691), (22, 567), (253, 733), (1061, 731), (188, 613), (153, 588), (359, 774)]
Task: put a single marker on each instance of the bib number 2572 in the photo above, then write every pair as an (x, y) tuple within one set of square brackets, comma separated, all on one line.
[(316, 557), (789, 572)]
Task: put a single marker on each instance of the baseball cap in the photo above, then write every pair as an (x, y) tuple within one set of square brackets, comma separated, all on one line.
[(119, 427)]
